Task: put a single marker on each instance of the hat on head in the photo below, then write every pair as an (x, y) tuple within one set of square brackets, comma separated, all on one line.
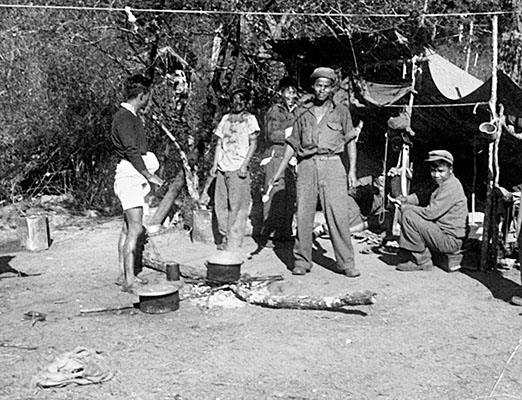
[(440, 155), (323, 72), (242, 91)]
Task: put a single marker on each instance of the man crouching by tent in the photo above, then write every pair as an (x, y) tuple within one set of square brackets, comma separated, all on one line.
[(134, 173), (441, 225)]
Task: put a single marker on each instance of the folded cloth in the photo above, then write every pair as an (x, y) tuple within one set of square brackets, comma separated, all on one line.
[(130, 186), (125, 169), (80, 366)]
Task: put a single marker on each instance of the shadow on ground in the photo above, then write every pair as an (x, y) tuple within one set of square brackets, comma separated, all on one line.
[(5, 268), (500, 287)]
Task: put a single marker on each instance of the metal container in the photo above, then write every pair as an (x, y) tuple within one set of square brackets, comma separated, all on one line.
[(34, 232), (224, 267), (159, 299), (202, 226), (172, 272)]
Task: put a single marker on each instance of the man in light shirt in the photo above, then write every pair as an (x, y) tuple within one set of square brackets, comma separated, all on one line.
[(237, 140)]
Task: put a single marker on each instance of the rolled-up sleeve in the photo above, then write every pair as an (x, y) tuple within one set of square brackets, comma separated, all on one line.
[(348, 128)]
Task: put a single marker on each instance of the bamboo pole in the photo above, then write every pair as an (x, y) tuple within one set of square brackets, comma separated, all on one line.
[(487, 252), (470, 41), (404, 158)]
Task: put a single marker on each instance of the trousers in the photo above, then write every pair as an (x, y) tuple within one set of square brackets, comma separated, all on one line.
[(419, 236), (231, 206), (278, 211), (323, 177)]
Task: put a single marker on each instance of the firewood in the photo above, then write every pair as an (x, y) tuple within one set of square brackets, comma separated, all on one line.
[(94, 310), (265, 299)]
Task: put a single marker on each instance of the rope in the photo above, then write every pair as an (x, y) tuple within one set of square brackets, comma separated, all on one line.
[(258, 13), (438, 105)]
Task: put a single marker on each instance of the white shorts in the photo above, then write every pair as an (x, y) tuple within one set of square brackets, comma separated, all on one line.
[(130, 186)]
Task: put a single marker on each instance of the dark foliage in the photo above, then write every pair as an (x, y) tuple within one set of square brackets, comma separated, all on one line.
[(60, 75)]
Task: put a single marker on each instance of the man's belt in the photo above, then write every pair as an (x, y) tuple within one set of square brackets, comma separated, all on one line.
[(324, 157)]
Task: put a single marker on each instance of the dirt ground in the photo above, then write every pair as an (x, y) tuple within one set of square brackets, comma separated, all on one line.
[(430, 335)]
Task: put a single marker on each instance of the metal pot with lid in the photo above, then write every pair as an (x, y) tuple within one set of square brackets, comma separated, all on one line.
[(224, 267)]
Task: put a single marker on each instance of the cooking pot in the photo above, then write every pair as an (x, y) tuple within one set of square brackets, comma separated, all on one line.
[(159, 298), (224, 267)]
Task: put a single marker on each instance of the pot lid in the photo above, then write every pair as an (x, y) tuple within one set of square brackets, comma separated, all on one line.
[(226, 258), (158, 289)]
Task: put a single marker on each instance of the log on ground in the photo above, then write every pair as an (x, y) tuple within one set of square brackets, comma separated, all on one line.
[(264, 299)]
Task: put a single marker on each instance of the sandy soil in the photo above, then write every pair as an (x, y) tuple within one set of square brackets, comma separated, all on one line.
[(431, 335)]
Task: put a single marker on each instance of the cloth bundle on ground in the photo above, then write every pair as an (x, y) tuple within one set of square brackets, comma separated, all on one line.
[(80, 366)]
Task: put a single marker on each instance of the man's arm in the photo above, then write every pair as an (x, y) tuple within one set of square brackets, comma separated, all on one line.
[(289, 153), (275, 131), (438, 205), (352, 155), (126, 134), (252, 143), (217, 157), (519, 218), (125, 130)]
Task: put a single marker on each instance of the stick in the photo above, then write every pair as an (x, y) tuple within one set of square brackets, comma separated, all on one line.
[(486, 247), (104, 309), (18, 346), (190, 178)]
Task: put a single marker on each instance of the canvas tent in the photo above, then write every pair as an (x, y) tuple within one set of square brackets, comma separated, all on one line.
[(449, 103)]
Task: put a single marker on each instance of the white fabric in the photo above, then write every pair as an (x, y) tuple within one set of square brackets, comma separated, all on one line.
[(130, 186), (235, 131), (453, 82), (129, 107)]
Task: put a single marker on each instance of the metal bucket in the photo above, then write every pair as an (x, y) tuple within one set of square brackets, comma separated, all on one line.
[(224, 267), (202, 226)]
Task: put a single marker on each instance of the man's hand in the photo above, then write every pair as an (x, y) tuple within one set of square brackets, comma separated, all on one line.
[(243, 171), (213, 171), (399, 201), (156, 180), (352, 179)]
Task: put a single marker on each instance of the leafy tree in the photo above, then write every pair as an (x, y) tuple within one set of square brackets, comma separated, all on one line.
[(61, 70)]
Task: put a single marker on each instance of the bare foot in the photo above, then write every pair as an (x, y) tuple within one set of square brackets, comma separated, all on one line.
[(140, 280), (127, 288)]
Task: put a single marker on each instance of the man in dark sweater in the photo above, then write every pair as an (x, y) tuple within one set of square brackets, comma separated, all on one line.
[(134, 173), (441, 225)]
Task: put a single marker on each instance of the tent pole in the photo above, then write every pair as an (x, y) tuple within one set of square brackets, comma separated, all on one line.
[(470, 41), (488, 250), (404, 158)]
